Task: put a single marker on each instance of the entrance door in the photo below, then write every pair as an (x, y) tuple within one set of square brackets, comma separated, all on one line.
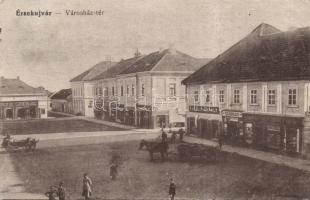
[(33, 112), (161, 121), (232, 130), (9, 113), (21, 113)]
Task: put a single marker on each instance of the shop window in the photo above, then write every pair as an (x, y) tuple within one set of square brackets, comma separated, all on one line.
[(271, 97), (172, 89), (221, 96), (292, 97), (273, 136), (253, 99), (142, 90), (196, 96), (236, 96)]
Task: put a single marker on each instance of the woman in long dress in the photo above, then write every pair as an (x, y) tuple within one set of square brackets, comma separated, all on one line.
[(87, 183)]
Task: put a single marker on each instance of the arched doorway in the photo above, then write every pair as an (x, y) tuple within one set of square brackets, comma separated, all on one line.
[(9, 113)]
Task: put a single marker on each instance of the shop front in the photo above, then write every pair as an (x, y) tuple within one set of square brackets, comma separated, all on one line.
[(19, 110), (204, 121), (144, 116), (232, 127), (277, 133), (130, 116), (120, 109)]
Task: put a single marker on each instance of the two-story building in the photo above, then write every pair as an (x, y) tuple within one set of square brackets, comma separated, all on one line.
[(107, 91), (256, 93), (83, 89), (19, 100), (150, 89)]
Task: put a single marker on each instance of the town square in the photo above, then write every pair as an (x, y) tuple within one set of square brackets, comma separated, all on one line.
[(155, 100)]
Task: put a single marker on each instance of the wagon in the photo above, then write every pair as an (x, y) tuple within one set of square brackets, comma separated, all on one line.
[(27, 144), (188, 150)]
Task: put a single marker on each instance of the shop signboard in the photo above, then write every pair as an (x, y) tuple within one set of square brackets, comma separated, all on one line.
[(205, 109), (232, 113)]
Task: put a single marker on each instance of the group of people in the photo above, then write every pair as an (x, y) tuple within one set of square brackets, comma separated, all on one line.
[(60, 192)]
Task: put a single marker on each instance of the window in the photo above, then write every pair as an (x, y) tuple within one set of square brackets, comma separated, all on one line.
[(208, 96), (42, 111), (292, 97), (122, 91), (142, 89), (172, 89), (236, 96), (90, 104), (106, 91), (100, 91), (221, 96), (253, 97), (196, 96), (113, 91), (127, 90), (271, 97), (132, 90)]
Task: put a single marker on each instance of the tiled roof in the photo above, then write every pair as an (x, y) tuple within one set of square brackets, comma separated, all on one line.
[(117, 68), (16, 86), (62, 94), (266, 54), (93, 72), (166, 60)]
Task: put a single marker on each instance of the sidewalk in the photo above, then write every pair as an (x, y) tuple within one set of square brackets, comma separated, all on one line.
[(296, 163), (118, 125)]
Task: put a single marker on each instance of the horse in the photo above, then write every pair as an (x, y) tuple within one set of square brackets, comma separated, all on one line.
[(158, 147)]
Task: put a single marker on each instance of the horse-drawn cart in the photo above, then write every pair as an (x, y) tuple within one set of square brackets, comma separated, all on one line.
[(188, 150), (27, 144)]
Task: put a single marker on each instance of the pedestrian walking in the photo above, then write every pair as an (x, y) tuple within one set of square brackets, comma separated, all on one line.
[(172, 189), (113, 171), (61, 193), (87, 184), (52, 193)]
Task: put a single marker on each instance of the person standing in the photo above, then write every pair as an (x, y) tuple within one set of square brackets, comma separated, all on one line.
[(113, 171), (87, 183), (172, 189), (52, 193), (181, 133), (61, 191)]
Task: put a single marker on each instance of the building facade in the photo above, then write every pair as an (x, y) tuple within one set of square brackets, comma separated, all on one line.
[(256, 93), (83, 89), (19, 100), (146, 91), (61, 101)]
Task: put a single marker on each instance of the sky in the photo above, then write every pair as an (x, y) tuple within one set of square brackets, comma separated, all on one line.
[(49, 51)]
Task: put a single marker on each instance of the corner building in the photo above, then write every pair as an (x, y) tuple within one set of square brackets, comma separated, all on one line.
[(256, 93)]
